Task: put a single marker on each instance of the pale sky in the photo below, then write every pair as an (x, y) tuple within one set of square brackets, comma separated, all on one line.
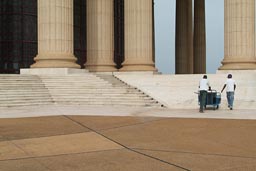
[(165, 34)]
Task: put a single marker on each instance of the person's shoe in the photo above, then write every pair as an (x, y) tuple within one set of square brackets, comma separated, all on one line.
[(228, 106), (201, 111), (231, 108)]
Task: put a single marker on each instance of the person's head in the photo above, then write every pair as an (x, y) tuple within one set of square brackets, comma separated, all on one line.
[(229, 75), (205, 77)]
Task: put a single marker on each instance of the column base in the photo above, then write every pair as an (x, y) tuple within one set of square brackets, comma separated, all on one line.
[(55, 64), (98, 68), (238, 65), (55, 61), (138, 68)]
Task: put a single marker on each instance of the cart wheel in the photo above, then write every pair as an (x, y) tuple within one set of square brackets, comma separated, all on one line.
[(217, 107)]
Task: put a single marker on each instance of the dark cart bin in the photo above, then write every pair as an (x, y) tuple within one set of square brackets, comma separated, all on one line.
[(213, 98)]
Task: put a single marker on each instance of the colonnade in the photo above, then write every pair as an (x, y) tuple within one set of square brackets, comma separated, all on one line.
[(55, 35)]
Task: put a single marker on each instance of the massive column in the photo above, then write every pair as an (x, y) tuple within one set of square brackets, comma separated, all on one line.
[(55, 35), (184, 37), (199, 37), (239, 35), (138, 36), (100, 35)]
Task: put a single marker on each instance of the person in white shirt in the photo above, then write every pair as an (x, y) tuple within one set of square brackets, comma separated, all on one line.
[(231, 87), (204, 85)]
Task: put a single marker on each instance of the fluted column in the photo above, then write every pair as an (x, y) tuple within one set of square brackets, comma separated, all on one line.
[(184, 37), (100, 35), (138, 36), (239, 35), (55, 35), (199, 37)]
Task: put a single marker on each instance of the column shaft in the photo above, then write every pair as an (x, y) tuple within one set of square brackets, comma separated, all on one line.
[(138, 36), (100, 35), (55, 35), (199, 37), (239, 35), (184, 37)]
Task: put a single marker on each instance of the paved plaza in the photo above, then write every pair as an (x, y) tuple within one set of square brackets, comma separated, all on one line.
[(132, 139)]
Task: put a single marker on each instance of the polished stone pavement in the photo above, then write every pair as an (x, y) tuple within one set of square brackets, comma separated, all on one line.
[(126, 143)]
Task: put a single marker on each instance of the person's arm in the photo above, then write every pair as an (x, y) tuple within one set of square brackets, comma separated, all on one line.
[(223, 88), (208, 83)]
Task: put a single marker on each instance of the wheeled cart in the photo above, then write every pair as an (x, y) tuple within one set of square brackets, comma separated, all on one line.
[(213, 98)]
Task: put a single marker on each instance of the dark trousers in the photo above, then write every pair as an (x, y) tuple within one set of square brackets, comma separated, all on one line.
[(202, 99)]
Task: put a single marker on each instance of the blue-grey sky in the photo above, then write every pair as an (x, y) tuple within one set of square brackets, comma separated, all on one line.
[(165, 34)]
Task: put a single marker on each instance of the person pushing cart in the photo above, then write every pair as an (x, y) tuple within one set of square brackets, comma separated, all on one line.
[(204, 86), (207, 96)]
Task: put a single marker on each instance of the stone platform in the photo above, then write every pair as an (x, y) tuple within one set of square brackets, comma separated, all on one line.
[(179, 91), (52, 71)]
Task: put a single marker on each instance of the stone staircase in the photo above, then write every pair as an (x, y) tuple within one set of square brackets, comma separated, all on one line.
[(134, 95), (74, 89), (17, 90)]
